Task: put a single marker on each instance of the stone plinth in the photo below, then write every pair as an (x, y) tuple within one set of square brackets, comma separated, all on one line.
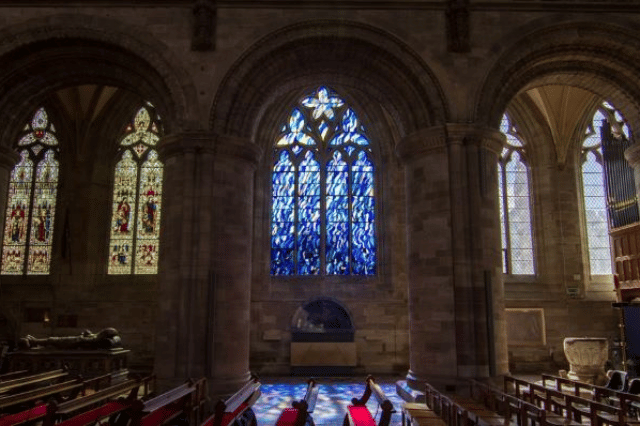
[(587, 356), (87, 363)]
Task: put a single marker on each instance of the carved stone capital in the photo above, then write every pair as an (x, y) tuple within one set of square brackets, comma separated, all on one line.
[(471, 134), (8, 158), (632, 154), (187, 142), (239, 148), (209, 143), (421, 143)]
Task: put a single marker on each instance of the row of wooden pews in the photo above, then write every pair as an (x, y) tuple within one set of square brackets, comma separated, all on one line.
[(576, 401)]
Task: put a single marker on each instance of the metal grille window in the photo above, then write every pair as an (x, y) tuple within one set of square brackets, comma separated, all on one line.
[(515, 205), (593, 193)]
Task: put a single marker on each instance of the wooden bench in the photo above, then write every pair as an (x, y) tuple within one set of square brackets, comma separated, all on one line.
[(419, 414), (13, 375), (99, 405), (71, 388), (39, 411), (358, 414), (184, 400), (31, 381), (299, 413), (236, 406)]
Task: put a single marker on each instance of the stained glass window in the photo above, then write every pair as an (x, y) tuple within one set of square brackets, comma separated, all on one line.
[(137, 195), (594, 189), (323, 191), (31, 202), (515, 205)]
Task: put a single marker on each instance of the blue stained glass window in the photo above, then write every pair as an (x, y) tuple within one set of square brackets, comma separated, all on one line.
[(323, 192)]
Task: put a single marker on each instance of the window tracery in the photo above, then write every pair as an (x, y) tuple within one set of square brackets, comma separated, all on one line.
[(323, 192)]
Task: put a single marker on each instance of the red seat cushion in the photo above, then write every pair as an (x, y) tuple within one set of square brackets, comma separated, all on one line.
[(32, 414), (360, 416), (287, 417)]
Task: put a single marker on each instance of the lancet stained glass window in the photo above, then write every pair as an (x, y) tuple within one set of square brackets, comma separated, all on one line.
[(323, 192), (515, 205), (594, 189), (31, 201), (137, 195)]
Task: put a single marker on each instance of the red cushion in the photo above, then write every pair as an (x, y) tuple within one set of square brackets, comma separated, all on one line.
[(229, 417), (287, 417), (91, 416), (32, 414), (360, 416)]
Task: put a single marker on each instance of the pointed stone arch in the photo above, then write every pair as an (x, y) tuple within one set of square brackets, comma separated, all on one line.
[(43, 55), (593, 55), (369, 64)]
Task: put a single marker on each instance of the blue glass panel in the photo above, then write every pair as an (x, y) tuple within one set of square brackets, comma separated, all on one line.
[(296, 121), (282, 235), (309, 248), (364, 248), (282, 262), (337, 248), (296, 149)]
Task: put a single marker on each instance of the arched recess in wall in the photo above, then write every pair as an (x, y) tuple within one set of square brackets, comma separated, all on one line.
[(368, 66), (41, 56), (595, 56)]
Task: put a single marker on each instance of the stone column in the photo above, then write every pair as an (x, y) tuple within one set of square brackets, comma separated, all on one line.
[(456, 302), (8, 160), (432, 316), (479, 289), (205, 257)]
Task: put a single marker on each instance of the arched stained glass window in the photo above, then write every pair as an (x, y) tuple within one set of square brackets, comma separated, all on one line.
[(515, 205), (323, 192), (607, 123), (137, 195), (31, 203)]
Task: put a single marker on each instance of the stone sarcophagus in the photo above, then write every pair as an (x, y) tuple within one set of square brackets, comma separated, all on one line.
[(88, 354)]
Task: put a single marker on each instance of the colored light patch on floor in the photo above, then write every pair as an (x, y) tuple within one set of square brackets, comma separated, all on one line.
[(331, 406)]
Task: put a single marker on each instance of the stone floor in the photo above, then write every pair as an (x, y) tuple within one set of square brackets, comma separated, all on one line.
[(333, 398)]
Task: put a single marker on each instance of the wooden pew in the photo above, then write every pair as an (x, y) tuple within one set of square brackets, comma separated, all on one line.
[(72, 388), (184, 400), (236, 406), (97, 406), (299, 414), (13, 375), (31, 381), (358, 414)]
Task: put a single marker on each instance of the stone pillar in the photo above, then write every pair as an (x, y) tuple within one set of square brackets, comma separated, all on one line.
[(205, 257), (432, 327), (456, 302), (8, 160), (479, 288)]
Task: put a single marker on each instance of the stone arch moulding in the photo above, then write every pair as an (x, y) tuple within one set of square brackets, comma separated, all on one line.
[(595, 56), (45, 54), (349, 55)]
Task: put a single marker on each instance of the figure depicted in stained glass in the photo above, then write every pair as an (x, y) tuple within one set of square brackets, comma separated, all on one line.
[(31, 200), (137, 199), (323, 191), (123, 216)]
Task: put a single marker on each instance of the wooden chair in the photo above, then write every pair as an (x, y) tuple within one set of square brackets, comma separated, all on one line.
[(236, 406), (358, 414)]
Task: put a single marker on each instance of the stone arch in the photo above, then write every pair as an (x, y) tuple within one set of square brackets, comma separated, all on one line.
[(350, 57), (597, 56), (43, 55)]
